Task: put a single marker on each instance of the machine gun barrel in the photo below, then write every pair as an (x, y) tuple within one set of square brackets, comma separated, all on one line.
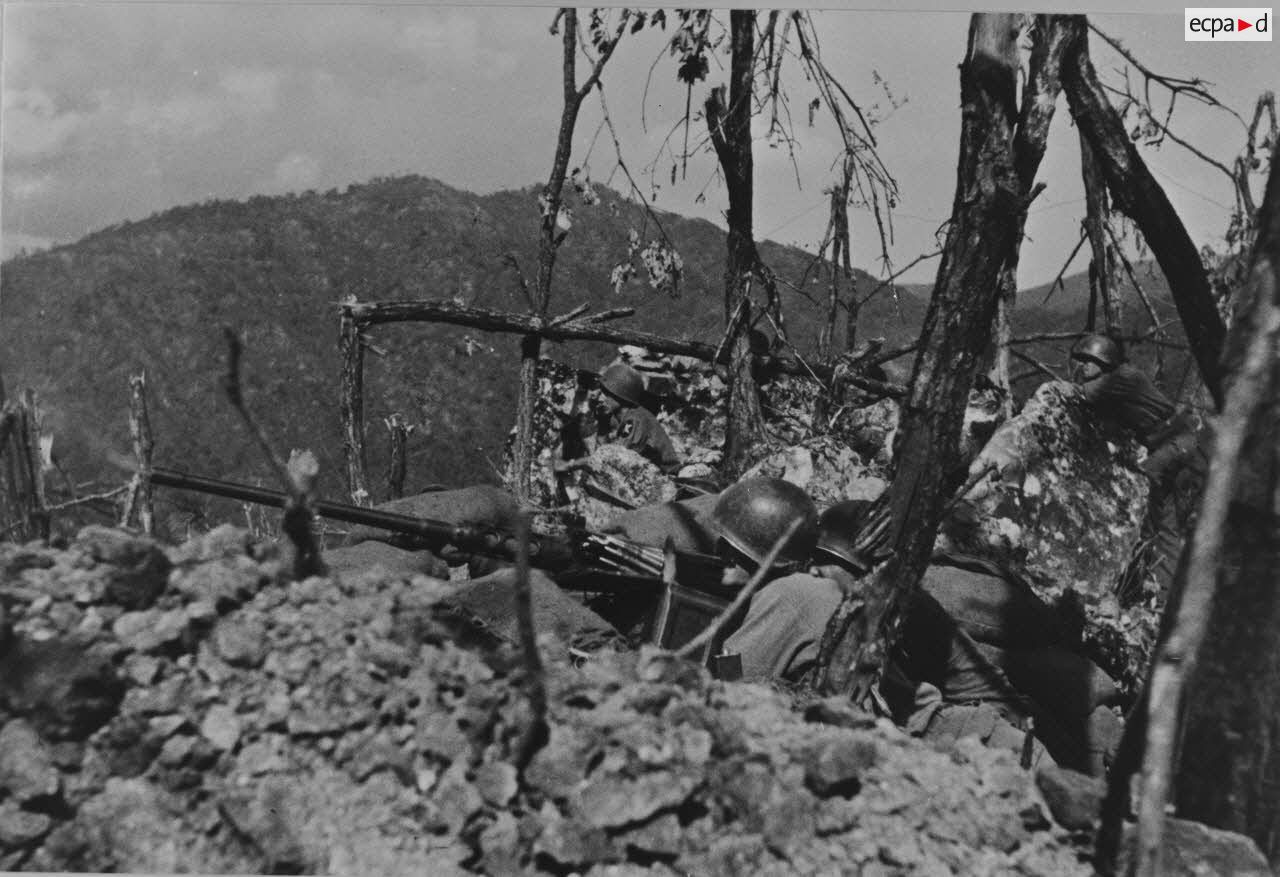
[(592, 557), (545, 553)]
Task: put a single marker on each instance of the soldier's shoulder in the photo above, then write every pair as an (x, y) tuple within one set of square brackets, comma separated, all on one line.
[(804, 586)]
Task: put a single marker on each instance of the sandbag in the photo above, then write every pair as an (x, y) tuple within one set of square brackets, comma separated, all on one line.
[(355, 560), (993, 609), (687, 522), (491, 600), (480, 504)]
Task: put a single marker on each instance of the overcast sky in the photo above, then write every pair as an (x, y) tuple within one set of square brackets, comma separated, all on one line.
[(114, 111)]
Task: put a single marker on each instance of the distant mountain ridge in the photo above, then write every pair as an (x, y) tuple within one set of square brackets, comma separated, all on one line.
[(78, 320)]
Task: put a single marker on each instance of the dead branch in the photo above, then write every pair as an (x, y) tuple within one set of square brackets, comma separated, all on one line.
[(888, 281), (535, 733), (890, 355), (297, 475), (1057, 280), (1192, 88), (865, 168), (740, 313), (510, 260), (87, 500), (568, 317), (693, 646), (649, 212), (794, 350), (1156, 327), (1037, 365), (610, 314)]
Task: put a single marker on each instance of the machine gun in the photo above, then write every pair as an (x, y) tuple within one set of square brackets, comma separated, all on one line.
[(580, 560)]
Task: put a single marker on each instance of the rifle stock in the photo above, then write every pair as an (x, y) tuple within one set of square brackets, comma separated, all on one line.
[(589, 561)]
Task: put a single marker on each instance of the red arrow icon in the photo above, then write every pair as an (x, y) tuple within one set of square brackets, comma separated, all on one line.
[(1241, 24)]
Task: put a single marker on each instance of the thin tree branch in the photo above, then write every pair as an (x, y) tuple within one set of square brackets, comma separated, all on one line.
[(1057, 281), (85, 500), (1037, 365)]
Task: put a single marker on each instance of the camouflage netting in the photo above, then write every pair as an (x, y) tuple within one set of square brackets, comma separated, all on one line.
[(186, 709), (827, 468), (1063, 503), (692, 399)]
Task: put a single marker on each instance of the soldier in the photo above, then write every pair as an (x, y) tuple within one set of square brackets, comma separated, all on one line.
[(630, 421), (1175, 463), (779, 635)]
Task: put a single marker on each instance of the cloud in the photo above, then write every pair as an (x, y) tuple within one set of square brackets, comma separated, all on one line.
[(187, 117), (297, 171), (255, 90), (33, 125)]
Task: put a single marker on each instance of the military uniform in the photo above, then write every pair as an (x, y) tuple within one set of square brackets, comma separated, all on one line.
[(783, 627), (633, 424), (942, 674), (640, 431)]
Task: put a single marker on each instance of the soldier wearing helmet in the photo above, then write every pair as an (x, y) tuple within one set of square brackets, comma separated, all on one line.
[(1120, 392), (623, 393), (780, 634), (1123, 393)]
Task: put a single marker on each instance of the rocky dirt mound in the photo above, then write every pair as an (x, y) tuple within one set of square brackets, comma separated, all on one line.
[(187, 709)]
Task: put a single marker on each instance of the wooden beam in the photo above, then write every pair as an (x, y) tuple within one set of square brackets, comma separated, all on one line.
[(578, 329)]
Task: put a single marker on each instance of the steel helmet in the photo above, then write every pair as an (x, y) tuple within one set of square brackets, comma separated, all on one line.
[(624, 382), (838, 530), (1100, 349), (754, 514)]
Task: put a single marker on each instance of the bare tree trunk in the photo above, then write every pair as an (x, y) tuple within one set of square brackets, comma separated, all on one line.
[(955, 335), (1000, 152), (32, 435), (1097, 215), (1135, 192), (139, 502), (14, 506), (730, 129), (1229, 772), (397, 466), (838, 230), (851, 320), (1000, 370), (351, 405)]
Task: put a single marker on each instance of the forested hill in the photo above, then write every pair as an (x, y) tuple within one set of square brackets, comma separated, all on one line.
[(79, 319)]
